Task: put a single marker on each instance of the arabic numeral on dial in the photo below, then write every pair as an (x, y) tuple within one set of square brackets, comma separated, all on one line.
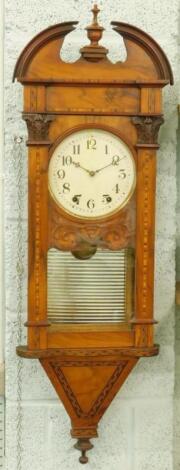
[(66, 160), (91, 144), (116, 160), (76, 198), (116, 188), (61, 174), (107, 198), (106, 149), (122, 174), (76, 149), (66, 187), (91, 204)]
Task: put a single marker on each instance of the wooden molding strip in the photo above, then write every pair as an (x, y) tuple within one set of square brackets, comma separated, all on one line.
[(23, 351), (94, 82)]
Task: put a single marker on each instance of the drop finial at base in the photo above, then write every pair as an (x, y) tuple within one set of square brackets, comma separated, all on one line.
[(83, 445)]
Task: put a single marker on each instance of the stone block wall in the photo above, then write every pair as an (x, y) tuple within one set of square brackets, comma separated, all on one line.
[(178, 202), (136, 432)]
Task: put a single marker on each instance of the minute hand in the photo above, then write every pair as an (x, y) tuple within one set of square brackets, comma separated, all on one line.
[(100, 169), (114, 162)]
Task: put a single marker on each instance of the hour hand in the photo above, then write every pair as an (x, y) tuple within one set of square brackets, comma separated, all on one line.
[(90, 172)]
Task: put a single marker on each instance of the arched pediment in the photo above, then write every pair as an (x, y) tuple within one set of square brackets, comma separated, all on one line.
[(41, 61), (144, 41), (39, 42)]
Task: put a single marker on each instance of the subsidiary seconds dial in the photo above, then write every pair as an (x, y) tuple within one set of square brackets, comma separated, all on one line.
[(91, 173)]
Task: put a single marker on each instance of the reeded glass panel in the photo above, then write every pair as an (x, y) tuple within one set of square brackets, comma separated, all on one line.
[(97, 290)]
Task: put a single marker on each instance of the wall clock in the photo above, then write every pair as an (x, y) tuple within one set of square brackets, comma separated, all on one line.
[(92, 139), (104, 179)]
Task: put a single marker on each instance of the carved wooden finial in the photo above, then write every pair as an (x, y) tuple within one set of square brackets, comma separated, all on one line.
[(95, 10), (94, 52), (83, 444)]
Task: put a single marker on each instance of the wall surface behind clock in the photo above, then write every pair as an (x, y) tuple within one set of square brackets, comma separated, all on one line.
[(137, 431)]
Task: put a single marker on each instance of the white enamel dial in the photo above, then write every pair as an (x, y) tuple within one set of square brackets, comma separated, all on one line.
[(91, 173)]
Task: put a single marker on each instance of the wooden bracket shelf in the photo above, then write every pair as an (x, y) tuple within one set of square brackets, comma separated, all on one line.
[(23, 351)]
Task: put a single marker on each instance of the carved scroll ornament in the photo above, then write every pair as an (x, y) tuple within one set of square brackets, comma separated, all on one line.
[(67, 236)]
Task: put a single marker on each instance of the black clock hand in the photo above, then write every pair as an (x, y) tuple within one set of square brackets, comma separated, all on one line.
[(90, 172), (100, 169), (115, 161)]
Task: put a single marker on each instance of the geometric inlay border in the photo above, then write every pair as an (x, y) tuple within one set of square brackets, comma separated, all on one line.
[(101, 397)]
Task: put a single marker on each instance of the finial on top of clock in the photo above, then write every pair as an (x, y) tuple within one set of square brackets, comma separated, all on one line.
[(95, 10), (94, 51)]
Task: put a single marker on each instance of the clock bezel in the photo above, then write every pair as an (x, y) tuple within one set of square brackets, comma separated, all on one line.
[(115, 213)]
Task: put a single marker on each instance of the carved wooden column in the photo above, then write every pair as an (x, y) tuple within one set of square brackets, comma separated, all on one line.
[(38, 143), (147, 135)]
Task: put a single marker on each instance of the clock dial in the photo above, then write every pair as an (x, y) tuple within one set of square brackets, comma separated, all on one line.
[(92, 173)]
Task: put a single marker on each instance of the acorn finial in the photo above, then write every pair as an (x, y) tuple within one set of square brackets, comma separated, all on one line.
[(94, 52)]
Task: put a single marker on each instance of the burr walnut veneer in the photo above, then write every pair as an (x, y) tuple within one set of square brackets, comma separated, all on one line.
[(88, 363)]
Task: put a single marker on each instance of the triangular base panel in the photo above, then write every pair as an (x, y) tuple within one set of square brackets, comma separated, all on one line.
[(91, 384), (87, 387)]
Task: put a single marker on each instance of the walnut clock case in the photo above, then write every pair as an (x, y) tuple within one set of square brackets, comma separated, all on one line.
[(92, 140)]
